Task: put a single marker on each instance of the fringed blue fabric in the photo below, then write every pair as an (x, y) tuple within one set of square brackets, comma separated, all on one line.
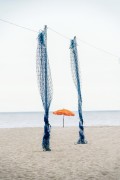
[(76, 78), (44, 83)]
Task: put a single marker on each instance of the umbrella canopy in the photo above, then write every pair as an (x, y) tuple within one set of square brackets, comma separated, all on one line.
[(64, 112)]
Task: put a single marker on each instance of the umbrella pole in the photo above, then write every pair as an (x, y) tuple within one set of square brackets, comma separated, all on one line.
[(63, 121)]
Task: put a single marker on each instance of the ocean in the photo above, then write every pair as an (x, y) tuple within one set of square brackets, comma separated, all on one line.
[(36, 119)]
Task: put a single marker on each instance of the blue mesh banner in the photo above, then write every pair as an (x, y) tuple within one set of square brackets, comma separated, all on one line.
[(76, 79), (44, 83)]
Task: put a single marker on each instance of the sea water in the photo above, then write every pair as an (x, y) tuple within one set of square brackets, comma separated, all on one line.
[(36, 119)]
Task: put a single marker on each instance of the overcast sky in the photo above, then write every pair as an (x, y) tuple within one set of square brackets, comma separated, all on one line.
[(94, 21)]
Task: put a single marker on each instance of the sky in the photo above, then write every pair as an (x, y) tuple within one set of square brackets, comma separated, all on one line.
[(94, 21)]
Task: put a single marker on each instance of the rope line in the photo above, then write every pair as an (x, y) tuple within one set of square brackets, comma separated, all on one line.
[(62, 35), (11, 23), (59, 33), (85, 42), (100, 49)]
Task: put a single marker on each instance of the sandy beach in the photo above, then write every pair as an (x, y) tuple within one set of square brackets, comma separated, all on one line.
[(21, 155)]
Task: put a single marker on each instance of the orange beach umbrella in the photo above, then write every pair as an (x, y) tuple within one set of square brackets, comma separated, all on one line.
[(64, 112)]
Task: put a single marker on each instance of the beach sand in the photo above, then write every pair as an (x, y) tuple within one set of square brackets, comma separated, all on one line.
[(21, 155)]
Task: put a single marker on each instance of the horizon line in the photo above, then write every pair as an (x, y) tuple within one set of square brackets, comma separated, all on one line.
[(52, 111)]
